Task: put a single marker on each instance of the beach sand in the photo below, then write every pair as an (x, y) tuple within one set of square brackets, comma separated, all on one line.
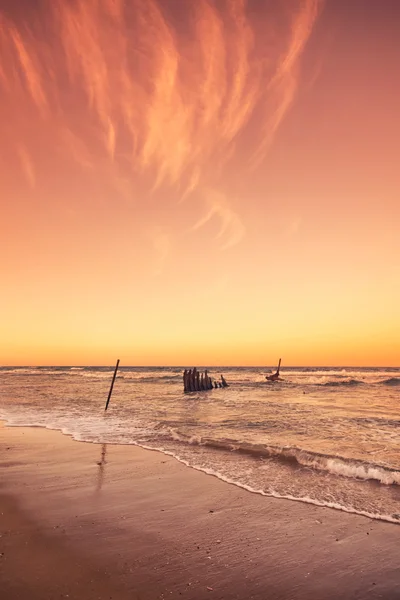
[(86, 521)]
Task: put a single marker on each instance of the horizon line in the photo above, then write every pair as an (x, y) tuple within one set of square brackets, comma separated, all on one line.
[(204, 366)]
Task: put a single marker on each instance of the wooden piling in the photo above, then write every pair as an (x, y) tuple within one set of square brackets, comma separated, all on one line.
[(112, 384)]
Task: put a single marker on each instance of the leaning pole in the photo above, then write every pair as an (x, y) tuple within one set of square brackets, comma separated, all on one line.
[(112, 384)]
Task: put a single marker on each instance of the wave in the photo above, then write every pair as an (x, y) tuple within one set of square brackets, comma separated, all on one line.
[(347, 382), (18, 370), (138, 377), (93, 373), (390, 381), (41, 371), (390, 518), (336, 465)]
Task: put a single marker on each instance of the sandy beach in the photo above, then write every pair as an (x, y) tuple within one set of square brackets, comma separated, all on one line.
[(94, 521)]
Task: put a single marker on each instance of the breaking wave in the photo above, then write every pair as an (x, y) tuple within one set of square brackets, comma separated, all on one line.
[(336, 465), (150, 378), (390, 381), (348, 382)]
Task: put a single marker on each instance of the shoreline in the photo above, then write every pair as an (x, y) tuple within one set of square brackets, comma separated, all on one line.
[(393, 519), (102, 521)]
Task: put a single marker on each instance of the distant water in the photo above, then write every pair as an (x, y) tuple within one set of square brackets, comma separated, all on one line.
[(326, 436)]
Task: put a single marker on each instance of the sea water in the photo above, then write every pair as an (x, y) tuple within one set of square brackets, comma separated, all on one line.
[(326, 436)]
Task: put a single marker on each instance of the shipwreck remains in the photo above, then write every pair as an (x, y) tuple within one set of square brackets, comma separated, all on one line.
[(196, 381)]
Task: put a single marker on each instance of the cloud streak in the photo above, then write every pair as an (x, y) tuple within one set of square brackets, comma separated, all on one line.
[(163, 96), (231, 228), (27, 165)]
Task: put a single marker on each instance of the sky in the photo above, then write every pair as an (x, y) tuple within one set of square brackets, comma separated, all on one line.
[(200, 182)]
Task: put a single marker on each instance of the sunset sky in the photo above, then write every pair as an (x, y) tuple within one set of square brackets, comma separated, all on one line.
[(210, 182)]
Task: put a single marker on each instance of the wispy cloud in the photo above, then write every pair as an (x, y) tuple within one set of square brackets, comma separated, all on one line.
[(231, 229), (27, 165), (131, 86)]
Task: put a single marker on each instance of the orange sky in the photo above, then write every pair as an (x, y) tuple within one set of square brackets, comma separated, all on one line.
[(200, 182)]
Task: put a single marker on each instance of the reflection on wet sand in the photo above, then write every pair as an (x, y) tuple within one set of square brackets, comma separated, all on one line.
[(101, 463)]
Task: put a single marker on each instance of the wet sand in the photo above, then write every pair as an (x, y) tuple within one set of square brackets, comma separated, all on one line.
[(88, 521)]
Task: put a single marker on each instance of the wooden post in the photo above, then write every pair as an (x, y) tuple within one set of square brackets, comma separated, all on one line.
[(112, 384)]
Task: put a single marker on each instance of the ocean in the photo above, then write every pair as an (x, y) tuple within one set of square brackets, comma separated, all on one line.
[(325, 436)]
